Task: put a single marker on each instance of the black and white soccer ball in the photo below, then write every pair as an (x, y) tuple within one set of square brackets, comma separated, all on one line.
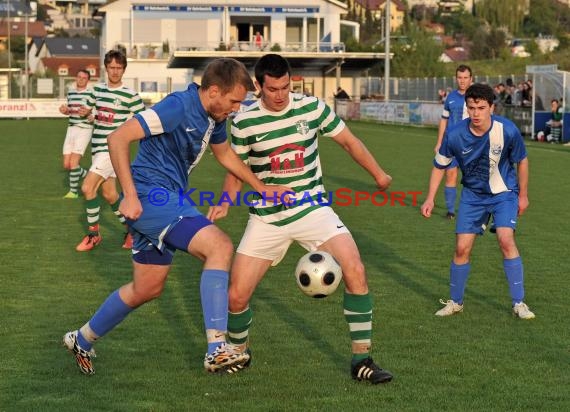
[(318, 274)]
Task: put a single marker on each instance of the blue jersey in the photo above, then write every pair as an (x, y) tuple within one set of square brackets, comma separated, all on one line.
[(454, 109), (487, 161), (177, 132)]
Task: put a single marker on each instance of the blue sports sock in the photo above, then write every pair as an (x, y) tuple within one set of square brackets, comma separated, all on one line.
[(110, 314), (514, 272), (450, 195), (458, 275), (214, 296)]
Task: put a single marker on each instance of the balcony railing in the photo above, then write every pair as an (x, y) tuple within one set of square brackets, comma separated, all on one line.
[(162, 51)]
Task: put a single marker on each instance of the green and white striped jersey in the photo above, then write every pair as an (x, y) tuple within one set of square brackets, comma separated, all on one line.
[(75, 100), (113, 107), (282, 148)]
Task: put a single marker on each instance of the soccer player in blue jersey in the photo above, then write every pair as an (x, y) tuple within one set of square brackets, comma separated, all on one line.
[(173, 136), (486, 148), (454, 111)]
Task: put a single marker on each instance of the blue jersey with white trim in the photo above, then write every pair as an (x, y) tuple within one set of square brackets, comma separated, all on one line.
[(177, 132), (487, 161), (454, 109)]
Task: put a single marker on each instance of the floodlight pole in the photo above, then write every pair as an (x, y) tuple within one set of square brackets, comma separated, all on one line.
[(9, 53), (26, 54), (387, 54)]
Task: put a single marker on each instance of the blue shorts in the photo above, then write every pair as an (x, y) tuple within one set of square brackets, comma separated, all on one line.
[(159, 217), (475, 209), (453, 164)]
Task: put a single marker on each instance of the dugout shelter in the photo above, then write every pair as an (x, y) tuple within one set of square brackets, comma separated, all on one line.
[(549, 83)]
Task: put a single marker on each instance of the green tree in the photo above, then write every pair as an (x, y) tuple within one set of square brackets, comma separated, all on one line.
[(461, 23), (418, 56), (502, 13), (547, 17), (488, 43)]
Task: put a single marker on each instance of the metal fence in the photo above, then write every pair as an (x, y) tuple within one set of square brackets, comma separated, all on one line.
[(423, 88)]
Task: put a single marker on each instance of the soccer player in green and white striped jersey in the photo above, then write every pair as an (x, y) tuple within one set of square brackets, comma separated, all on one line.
[(113, 104), (78, 131), (278, 137)]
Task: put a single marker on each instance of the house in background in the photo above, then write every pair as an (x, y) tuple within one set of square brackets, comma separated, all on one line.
[(378, 11), (169, 42), (454, 54), (73, 16), (64, 56), (20, 29)]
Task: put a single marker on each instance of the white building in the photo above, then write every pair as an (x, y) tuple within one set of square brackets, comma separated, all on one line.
[(175, 39)]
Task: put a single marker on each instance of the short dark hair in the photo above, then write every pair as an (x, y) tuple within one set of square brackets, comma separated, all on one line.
[(85, 71), (480, 91), (226, 73), (272, 65), (464, 68), (116, 55)]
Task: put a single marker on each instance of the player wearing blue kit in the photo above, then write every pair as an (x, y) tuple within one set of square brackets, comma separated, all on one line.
[(454, 111), (173, 136), (486, 147)]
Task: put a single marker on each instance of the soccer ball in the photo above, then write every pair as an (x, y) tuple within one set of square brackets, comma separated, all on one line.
[(318, 274)]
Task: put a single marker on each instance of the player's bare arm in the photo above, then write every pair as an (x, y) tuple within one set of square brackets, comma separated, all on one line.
[(434, 181), (358, 151), (119, 150), (522, 174), (84, 111), (231, 186), (440, 132)]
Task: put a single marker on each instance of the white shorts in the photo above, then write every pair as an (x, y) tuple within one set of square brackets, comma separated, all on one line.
[(267, 241), (76, 140), (102, 166)]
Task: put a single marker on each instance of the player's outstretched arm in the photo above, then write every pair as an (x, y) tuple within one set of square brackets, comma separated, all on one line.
[(119, 142), (434, 181), (522, 174), (358, 151)]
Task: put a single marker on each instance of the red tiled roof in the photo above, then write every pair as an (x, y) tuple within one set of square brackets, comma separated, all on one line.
[(18, 28), (457, 54), (74, 64)]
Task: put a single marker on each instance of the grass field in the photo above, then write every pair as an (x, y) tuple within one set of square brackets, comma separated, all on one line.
[(482, 359)]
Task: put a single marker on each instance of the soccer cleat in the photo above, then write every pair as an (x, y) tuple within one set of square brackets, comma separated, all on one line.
[(128, 241), (223, 357), (367, 370), (89, 242), (237, 367), (450, 216), (522, 311), (450, 308), (71, 195), (82, 357)]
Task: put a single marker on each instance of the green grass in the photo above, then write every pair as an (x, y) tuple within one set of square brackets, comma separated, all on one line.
[(482, 359)]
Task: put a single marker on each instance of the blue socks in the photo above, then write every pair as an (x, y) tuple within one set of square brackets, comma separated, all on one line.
[(214, 296), (458, 275), (514, 272), (110, 314), (450, 195)]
